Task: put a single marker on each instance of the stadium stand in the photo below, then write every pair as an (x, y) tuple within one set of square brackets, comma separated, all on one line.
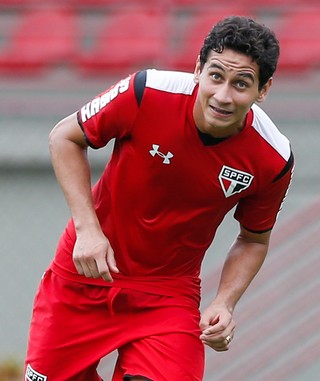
[(42, 38), (127, 40), (146, 4), (167, 34), (19, 3), (299, 36)]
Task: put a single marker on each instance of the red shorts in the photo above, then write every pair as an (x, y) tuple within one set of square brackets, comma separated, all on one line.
[(74, 325)]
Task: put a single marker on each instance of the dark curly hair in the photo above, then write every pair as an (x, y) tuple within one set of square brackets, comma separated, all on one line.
[(246, 36)]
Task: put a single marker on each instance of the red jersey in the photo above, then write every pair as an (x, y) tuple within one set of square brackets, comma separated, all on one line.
[(167, 186)]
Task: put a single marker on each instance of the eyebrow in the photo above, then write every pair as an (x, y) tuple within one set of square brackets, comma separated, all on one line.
[(244, 74), (247, 75)]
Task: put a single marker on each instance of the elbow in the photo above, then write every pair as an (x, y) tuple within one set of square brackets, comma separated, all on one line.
[(67, 132), (54, 137)]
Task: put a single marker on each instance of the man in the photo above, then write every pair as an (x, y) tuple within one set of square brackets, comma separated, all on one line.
[(188, 148)]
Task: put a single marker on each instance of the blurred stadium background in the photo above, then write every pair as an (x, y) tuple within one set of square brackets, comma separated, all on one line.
[(54, 57)]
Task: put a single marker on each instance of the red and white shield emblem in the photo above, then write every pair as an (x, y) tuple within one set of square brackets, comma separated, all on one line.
[(233, 180)]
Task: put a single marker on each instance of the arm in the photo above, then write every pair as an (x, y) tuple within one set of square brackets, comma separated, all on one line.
[(243, 262), (93, 256)]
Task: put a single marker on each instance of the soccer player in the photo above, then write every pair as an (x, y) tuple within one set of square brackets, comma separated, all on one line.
[(188, 148)]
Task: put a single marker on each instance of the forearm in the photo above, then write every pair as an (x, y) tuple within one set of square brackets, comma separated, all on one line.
[(71, 166), (92, 254), (244, 260)]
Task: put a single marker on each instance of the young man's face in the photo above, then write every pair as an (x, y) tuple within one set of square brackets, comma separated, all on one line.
[(228, 86)]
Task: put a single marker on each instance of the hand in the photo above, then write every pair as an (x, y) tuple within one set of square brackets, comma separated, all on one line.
[(217, 327), (93, 256)]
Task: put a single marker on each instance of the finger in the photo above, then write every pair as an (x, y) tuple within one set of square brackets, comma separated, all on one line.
[(111, 261), (228, 339), (205, 323), (78, 266), (219, 345), (93, 269), (90, 269), (221, 348), (103, 270), (82, 267), (222, 337), (220, 328), (85, 266), (217, 329)]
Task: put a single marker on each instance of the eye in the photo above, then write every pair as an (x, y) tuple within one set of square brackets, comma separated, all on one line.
[(242, 85), (216, 76)]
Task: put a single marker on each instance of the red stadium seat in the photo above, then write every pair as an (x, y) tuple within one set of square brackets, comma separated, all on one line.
[(20, 3), (299, 36), (186, 46), (273, 3), (113, 3), (127, 41), (249, 4), (190, 3), (41, 39)]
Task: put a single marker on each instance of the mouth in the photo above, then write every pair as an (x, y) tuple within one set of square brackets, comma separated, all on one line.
[(220, 111)]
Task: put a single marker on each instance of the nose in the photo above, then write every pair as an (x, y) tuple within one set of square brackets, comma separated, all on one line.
[(223, 93)]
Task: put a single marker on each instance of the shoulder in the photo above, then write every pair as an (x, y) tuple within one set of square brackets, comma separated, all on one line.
[(170, 81), (162, 81), (270, 133)]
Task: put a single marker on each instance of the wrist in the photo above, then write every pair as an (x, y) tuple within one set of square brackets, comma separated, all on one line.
[(86, 224), (224, 302)]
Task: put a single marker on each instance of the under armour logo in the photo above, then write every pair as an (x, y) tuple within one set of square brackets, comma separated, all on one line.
[(155, 151)]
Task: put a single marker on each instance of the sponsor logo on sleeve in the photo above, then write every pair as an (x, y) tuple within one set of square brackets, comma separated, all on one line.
[(234, 181), (93, 107)]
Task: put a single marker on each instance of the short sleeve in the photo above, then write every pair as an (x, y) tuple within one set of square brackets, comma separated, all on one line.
[(111, 114), (258, 213)]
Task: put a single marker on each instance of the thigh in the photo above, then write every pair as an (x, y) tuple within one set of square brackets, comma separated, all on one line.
[(176, 353), (168, 357), (64, 338)]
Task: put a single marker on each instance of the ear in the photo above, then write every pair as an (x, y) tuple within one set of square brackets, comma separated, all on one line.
[(264, 91), (197, 71)]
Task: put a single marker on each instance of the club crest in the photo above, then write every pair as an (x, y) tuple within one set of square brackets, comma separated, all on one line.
[(234, 181)]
